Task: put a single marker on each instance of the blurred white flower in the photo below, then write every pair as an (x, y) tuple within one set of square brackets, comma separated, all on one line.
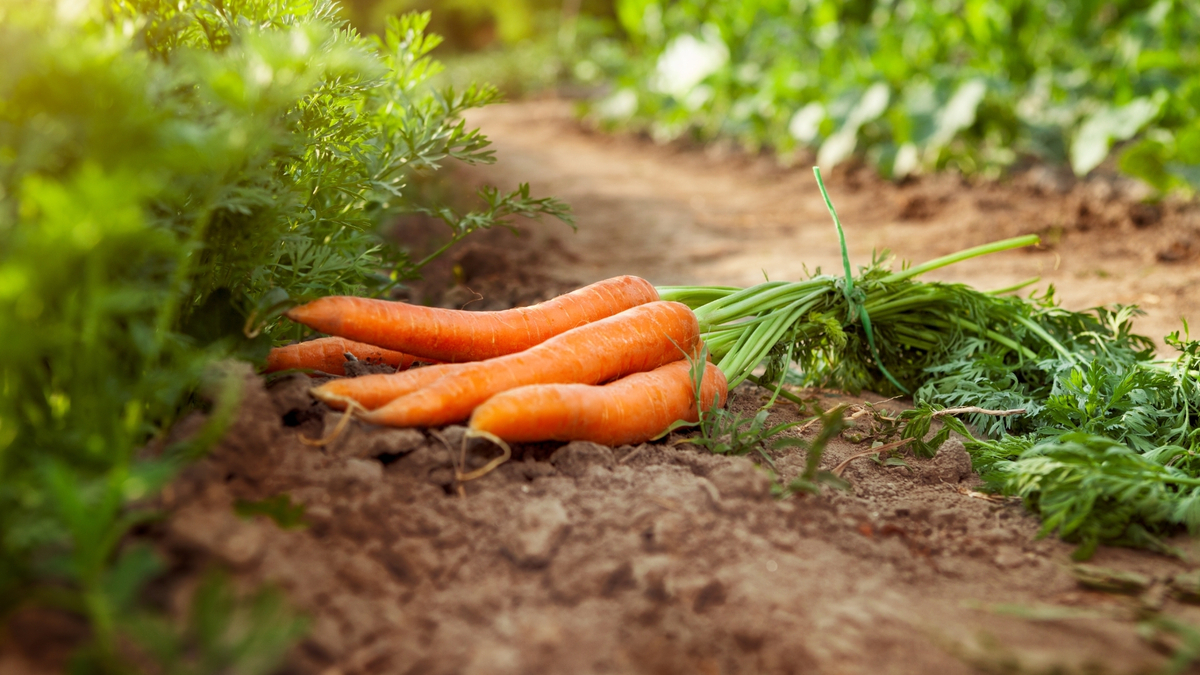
[(620, 105), (688, 60), (841, 143), (908, 161), (806, 123)]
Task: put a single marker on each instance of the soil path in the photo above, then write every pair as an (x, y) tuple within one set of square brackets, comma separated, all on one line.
[(660, 559), (689, 216)]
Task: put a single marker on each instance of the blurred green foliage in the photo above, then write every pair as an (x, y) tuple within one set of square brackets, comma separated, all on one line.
[(972, 85), (168, 169), (474, 25), (466, 24), (224, 631)]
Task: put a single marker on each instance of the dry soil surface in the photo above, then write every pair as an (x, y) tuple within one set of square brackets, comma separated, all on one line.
[(661, 558)]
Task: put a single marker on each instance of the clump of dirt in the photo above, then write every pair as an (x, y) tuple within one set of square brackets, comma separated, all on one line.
[(660, 558)]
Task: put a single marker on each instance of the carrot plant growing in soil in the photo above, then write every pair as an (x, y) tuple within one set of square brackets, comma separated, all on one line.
[(169, 170)]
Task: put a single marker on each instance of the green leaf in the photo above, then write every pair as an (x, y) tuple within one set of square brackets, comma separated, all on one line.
[(959, 112), (1111, 123), (136, 565), (1147, 160), (278, 508)]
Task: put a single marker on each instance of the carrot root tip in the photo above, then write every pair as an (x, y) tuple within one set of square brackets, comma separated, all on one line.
[(352, 408), (490, 466), (337, 401)]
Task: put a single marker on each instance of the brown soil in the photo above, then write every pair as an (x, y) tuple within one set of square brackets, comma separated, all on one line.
[(579, 558), (664, 558)]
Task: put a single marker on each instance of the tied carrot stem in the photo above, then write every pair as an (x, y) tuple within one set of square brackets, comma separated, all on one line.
[(837, 222)]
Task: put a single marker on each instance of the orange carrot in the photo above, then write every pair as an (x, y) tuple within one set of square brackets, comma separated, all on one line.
[(636, 340), (328, 355), (632, 409), (455, 336), (374, 391)]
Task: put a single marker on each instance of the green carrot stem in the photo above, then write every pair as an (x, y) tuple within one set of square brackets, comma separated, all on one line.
[(759, 345), (993, 335), (695, 296), (757, 299), (994, 247), (1049, 339), (766, 335), (837, 222), (892, 306), (866, 322), (1015, 287), (735, 354), (914, 338), (750, 291)]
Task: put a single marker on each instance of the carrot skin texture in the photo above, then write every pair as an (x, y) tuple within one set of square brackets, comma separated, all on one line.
[(375, 391), (630, 410), (636, 340), (457, 336), (328, 355)]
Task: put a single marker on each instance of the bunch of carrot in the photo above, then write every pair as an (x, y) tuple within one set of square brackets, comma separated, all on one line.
[(610, 363)]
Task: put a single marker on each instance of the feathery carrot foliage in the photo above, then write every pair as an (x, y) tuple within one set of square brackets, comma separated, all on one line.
[(166, 169), (1106, 449)]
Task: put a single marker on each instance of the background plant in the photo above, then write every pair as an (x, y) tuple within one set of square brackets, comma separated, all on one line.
[(166, 169), (971, 85)]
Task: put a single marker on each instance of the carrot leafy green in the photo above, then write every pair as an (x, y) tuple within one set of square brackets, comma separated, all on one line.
[(169, 169), (1105, 449)]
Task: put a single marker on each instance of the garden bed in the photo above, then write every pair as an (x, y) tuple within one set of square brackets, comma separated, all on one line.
[(578, 558)]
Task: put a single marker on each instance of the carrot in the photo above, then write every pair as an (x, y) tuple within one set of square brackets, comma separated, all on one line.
[(374, 391), (455, 336), (632, 409), (329, 355), (636, 340)]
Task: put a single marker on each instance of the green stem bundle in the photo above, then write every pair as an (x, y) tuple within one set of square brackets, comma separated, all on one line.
[(1107, 448), (901, 321), (911, 320)]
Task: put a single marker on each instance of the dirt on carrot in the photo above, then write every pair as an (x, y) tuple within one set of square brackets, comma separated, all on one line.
[(328, 355)]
